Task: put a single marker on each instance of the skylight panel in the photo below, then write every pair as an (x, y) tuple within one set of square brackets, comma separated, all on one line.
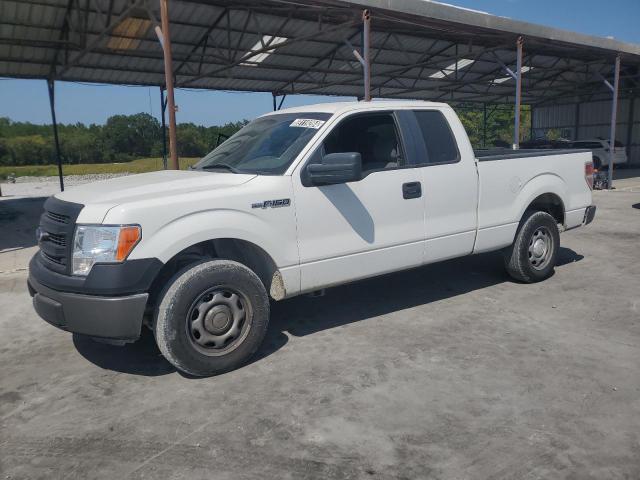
[(267, 41), (448, 70), (523, 70), (350, 65), (128, 34)]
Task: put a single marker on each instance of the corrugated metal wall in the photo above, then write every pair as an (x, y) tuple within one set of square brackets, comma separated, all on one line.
[(592, 120)]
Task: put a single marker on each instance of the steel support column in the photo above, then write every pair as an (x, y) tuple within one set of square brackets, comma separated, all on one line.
[(614, 114), (163, 108), (630, 119), (366, 53), (484, 125), (516, 126), (51, 89), (276, 105), (531, 129), (168, 74), (576, 129)]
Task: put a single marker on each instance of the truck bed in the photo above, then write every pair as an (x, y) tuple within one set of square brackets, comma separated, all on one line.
[(487, 155), (507, 188)]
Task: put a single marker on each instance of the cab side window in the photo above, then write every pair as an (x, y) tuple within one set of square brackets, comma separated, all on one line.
[(438, 139), (374, 136)]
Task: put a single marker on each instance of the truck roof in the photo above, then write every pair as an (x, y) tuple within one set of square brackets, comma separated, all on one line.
[(341, 107)]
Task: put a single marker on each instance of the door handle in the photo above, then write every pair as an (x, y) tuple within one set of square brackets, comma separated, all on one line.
[(411, 190)]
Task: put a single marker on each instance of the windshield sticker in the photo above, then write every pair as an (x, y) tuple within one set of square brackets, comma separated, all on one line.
[(307, 123)]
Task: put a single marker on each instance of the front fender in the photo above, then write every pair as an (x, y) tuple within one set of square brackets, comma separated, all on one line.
[(183, 232)]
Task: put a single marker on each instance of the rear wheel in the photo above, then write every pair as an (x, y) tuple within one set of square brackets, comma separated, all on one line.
[(212, 317), (532, 257)]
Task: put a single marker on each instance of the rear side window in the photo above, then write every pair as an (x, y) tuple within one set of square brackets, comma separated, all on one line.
[(438, 138)]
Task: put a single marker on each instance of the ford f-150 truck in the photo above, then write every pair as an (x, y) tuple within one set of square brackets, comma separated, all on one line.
[(297, 201)]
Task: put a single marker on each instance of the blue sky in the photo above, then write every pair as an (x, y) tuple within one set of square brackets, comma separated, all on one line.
[(26, 100)]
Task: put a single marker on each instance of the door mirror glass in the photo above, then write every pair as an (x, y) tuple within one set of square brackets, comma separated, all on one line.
[(335, 168)]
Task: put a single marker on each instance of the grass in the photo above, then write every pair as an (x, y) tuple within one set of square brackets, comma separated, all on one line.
[(141, 165)]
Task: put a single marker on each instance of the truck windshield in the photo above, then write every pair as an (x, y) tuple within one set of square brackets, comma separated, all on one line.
[(266, 145)]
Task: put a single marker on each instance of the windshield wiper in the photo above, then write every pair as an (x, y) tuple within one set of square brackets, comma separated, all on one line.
[(220, 166)]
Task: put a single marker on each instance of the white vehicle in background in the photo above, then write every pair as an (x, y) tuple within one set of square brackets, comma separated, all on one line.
[(297, 201), (600, 148)]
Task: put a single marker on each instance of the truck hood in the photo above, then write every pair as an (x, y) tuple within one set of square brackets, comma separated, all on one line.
[(100, 197)]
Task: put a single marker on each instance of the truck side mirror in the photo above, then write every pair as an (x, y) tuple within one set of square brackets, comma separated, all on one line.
[(336, 168)]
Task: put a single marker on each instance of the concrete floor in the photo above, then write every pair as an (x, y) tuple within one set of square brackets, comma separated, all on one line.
[(451, 371)]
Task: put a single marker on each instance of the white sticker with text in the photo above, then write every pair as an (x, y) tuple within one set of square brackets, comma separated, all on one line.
[(307, 123)]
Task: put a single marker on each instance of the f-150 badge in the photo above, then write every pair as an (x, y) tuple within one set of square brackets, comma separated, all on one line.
[(283, 202)]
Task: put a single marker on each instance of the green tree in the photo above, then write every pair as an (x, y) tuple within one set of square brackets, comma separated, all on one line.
[(5, 153), (191, 140), (131, 135), (499, 125), (30, 150), (122, 138), (81, 146)]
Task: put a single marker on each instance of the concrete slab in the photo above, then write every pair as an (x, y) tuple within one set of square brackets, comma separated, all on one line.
[(19, 218), (448, 371), (627, 180)]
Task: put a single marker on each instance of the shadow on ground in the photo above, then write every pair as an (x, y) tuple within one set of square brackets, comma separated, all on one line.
[(301, 316), (19, 218), (139, 358), (623, 173)]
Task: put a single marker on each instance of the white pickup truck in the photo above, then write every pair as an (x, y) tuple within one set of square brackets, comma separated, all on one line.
[(297, 201)]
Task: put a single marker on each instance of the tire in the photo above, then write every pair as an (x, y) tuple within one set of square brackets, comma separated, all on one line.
[(211, 317), (532, 257)]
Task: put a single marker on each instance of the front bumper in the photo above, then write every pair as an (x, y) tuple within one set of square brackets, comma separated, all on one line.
[(117, 318), (589, 214)]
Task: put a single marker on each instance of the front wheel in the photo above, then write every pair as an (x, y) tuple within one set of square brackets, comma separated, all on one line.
[(212, 317), (532, 257)]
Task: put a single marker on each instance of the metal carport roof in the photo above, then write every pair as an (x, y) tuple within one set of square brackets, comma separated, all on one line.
[(419, 49)]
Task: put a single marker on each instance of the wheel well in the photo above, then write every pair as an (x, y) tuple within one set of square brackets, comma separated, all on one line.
[(241, 251), (550, 203)]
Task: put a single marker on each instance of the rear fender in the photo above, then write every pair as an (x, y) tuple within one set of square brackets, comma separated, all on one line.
[(539, 185), (498, 236)]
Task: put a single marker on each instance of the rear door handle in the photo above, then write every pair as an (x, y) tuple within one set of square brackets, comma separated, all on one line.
[(411, 190)]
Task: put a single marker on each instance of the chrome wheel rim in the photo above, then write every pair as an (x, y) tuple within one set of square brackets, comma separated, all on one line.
[(540, 248), (218, 321)]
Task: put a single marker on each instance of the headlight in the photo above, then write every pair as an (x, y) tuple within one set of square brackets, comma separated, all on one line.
[(102, 244)]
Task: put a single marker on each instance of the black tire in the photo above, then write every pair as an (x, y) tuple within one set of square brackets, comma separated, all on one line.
[(229, 301), (532, 257)]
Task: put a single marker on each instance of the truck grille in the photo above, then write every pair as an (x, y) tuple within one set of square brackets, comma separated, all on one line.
[(57, 225), (56, 217), (56, 260), (59, 240)]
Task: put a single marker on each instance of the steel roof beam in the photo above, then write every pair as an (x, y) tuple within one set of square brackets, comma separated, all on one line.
[(111, 25), (323, 58), (203, 41), (253, 53), (64, 33)]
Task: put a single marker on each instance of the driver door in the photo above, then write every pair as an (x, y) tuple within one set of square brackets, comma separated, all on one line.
[(367, 227)]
